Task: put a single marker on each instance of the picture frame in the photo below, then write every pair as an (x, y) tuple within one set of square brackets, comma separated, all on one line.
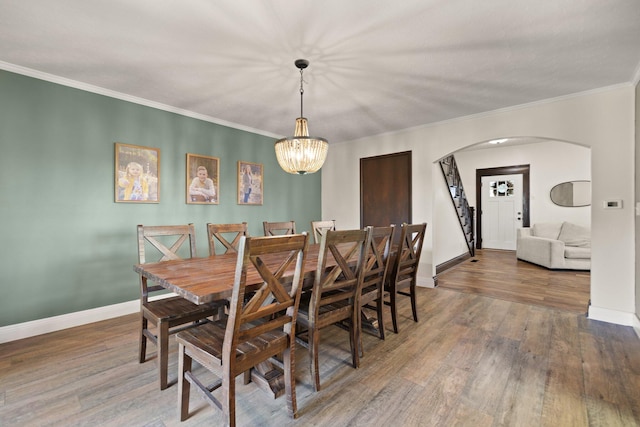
[(203, 180), (250, 183), (137, 174)]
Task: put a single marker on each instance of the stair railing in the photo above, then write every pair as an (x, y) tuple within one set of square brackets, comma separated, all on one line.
[(464, 212)]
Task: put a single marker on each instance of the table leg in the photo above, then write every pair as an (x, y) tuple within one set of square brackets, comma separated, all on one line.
[(269, 378), (370, 323)]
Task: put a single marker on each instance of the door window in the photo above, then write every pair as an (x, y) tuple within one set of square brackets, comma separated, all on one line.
[(501, 188)]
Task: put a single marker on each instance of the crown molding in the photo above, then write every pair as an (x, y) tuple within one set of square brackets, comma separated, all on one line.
[(124, 97)]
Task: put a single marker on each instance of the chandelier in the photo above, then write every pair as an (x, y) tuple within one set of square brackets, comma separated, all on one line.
[(301, 153)]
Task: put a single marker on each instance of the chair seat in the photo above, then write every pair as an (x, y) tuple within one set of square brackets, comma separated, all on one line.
[(328, 314), (369, 294), (175, 308), (210, 338)]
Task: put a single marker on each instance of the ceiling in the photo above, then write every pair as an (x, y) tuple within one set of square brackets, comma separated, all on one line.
[(377, 66)]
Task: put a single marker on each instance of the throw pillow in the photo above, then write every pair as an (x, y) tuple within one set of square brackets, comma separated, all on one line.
[(575, 235), (549, 230)]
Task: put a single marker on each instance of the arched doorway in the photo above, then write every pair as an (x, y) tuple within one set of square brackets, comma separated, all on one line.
[(546, 162)]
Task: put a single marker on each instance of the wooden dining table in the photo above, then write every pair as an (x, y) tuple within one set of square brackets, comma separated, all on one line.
[(204, 280)]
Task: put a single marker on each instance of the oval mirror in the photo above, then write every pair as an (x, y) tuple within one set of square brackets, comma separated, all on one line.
[(572, 194)]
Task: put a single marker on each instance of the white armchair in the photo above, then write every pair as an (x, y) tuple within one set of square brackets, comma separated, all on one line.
[(555, 246)]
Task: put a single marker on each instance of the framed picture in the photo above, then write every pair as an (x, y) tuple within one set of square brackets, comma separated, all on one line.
[(137, 174), (203, 179), (250, 177)]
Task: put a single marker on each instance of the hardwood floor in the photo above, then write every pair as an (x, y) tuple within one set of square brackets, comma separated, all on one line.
[(471, 360), (499, 274)]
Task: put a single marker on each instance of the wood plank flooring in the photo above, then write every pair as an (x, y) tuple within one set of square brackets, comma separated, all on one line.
[(471, 360), (499, 274)]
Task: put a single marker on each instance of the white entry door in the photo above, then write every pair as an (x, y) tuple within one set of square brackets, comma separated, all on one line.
[(501, 210)]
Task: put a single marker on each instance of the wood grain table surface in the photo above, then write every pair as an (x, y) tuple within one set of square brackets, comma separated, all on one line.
[(203, 280)]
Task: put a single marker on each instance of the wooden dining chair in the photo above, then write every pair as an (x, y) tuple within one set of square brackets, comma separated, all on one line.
[(279, 228), (404, 270), (321, 227), (375, 273), (225, 236), (257, 328), (165, 243), (335, 295)]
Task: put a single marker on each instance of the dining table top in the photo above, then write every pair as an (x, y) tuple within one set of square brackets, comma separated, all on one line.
[(204, 280)]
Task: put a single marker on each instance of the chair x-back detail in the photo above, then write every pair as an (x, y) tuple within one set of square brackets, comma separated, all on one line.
[(279, 228), (336, 293), (320, 228), (227, 237), (257, 329), (404, 271), (375, 274), (168, 243)]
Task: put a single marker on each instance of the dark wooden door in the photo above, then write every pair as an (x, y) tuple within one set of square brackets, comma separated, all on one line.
[(385, 189)]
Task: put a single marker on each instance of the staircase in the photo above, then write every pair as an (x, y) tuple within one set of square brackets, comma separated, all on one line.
[(459, 200)]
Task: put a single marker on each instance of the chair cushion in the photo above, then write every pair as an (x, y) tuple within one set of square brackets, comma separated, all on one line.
[(549, 230), (575, 252), (575, 235)]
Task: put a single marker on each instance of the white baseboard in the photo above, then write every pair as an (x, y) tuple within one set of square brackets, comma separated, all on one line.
[(612, 316), (64, 321), (69, 320), (425, 282), (636, 325)]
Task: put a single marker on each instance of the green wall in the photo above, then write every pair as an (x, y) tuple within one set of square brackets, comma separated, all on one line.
[(67, 246)]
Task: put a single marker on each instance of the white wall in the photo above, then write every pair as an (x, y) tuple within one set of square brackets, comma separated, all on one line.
[(602, 120), (637, 200), (551, 162)]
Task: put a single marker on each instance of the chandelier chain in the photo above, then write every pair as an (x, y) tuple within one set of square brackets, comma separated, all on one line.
[(301, 91)]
